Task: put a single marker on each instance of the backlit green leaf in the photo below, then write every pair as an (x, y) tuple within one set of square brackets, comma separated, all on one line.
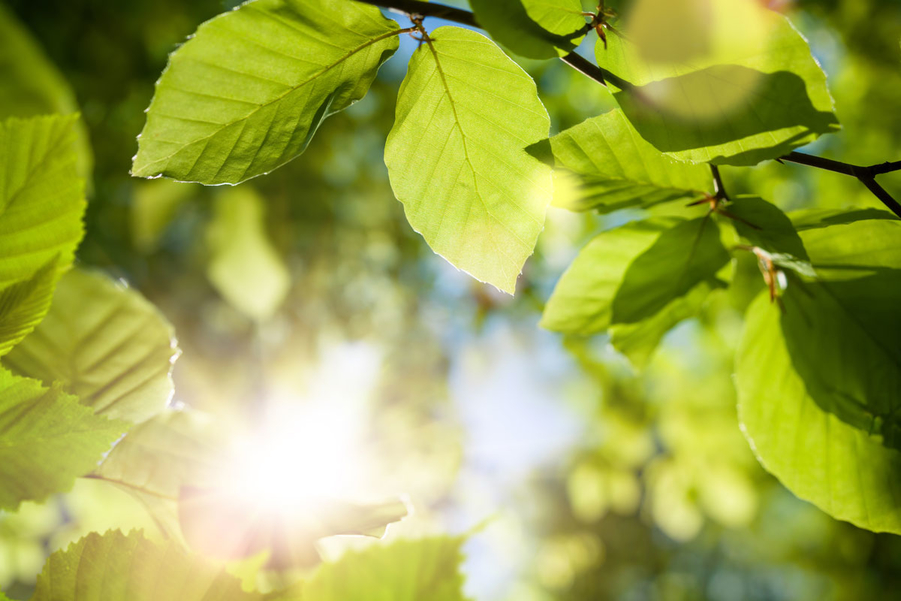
[(730, 83), (116, 567), (24, 304), (246, 93), (405, 570), (641, 279), (854, 249), (157, 459), (537, 29), (456, 157), (843, 470), (41, 196), (31, 85), (47, 439), (618, 169), (106, 344), (245, 267)]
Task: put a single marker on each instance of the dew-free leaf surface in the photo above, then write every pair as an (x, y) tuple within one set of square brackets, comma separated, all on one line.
[(247, 92), (456, 155)]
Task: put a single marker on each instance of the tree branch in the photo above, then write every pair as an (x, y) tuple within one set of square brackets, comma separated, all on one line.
[(412, 8), (866, 175), (718, 188)]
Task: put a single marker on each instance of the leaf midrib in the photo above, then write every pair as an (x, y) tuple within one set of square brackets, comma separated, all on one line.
[(279, 98)]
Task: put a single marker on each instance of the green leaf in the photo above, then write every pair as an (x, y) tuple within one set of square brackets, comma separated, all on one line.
[(31, 85), (41, 196), (734, 84), (769, 229), (641, 278), (106, 344), (456, 157), (618, 169), (841, 469), (538, 29), (844, 338), (854, 249), (158, 457), (116, 567), (47, 439), (246, 93), (405, 570), (638, 341), (245, 267), (23, 306)]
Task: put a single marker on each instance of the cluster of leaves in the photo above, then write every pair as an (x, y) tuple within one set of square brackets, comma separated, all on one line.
[(818, 369), (85, 383), (86, 360)]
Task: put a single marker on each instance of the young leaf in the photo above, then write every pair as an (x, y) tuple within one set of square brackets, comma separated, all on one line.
[(456, 157), (31, 85), (533, 28), (245, 267), (246, 93), (23, 306), (618, 169), (638, 280), (106, 344), (405, 570), (41, 196), (732, 84), (843, 470), (47, 439), (116, 567)]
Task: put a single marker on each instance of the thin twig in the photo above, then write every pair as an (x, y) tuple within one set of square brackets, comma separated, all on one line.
[(718, 188), (866, 175)]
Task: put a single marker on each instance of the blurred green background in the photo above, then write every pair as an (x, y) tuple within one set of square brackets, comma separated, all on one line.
[(590, 479)]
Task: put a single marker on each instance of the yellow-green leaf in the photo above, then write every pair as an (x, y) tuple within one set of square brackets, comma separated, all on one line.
[(456, 155)]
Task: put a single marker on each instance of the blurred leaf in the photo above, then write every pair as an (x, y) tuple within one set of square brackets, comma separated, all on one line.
[(246, 93), (154, 206), (41, 196), (618, 169), (404, 570), (24, 304), (456, 157), (31, 85), (720, 81), (47, 439), (532, 28), (106, 344), (220, 523), (245, 267), (116, 567), (841, 469), (635, 272), (157, 459)]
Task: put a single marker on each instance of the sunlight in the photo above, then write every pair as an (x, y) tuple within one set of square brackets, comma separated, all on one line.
[(301, 458)]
